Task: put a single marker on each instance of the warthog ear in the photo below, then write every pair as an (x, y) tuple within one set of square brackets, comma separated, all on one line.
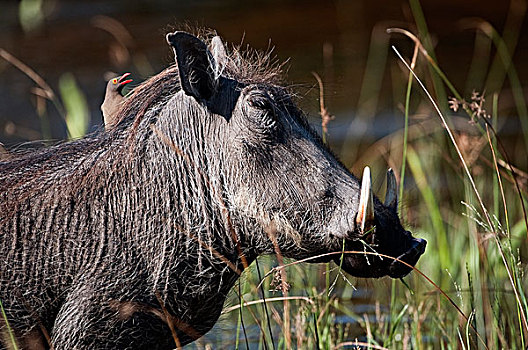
[(220, 55), (196, 65)]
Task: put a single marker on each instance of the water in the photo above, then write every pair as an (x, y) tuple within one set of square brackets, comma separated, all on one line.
[(331, 38)]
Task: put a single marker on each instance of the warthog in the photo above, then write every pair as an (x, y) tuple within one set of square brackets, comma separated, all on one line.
[(132, 237)]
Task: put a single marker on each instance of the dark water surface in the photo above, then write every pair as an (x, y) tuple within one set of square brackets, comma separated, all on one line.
[(328, 37)]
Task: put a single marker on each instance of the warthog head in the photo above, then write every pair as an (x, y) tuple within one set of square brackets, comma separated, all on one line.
[(279, 178)]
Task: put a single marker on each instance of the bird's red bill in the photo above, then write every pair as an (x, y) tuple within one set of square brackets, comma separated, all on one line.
[(123, 77), (123, 82)]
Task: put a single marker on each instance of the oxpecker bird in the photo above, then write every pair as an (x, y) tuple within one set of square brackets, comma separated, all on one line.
[(113, 99)]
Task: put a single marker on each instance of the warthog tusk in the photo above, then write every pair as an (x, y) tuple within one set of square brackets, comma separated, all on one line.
[(391, 196), (365, 215)]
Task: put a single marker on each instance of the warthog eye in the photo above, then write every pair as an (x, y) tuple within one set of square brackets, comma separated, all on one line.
[(264, 110), (259, 99)]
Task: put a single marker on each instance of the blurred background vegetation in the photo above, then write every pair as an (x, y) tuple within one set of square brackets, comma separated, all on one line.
[(57, 55)]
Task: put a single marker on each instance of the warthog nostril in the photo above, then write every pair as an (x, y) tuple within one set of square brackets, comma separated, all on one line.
[(410, 257), (422, 243), (417, 248)]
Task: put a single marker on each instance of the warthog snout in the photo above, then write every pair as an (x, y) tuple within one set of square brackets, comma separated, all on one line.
[(379, 235), (411, 256)]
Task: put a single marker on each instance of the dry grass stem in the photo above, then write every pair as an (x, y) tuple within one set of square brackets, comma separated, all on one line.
[(379, 255), (169, 321), (473, 185), (261, 301), (47, 91), (498, 173), (271, 231), (326, 117), (359, 345)]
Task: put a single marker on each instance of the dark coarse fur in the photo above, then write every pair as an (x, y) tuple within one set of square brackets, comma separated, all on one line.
[(132, 238)]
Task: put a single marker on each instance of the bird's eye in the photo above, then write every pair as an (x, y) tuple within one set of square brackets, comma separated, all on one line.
[(114, 81)]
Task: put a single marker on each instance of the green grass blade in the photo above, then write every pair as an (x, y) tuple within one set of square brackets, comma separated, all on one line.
[(77, 115), (9, 330)]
